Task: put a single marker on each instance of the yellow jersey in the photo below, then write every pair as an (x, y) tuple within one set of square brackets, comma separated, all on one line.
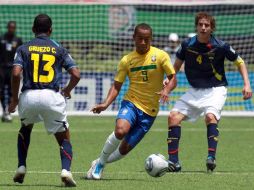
[(146, 74)]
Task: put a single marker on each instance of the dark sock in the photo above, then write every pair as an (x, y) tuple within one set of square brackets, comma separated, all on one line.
[(212, 138), (23, 144), (174, 134), (66, 154)]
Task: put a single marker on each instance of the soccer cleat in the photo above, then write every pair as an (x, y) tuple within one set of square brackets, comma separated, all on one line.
[(210, 163), (20, 174), (97, 171), (174, 167), (89, 172), (6, 118), (67, 178)]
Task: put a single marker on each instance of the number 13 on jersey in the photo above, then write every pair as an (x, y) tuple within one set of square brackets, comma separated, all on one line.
[(37, 60)]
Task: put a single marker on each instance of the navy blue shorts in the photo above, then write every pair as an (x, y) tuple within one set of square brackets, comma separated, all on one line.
[(140, 122)]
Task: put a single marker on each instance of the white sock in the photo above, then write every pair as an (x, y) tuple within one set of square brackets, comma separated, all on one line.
[(110, 146), (116, 155)]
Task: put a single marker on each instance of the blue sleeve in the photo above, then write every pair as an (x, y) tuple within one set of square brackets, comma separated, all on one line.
[(18, 59), (230, 53), (180, 54), (68, 62)]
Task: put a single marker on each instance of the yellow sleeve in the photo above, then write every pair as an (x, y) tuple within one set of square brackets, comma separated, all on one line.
[(167, 65), (121, 71), (239, 61)]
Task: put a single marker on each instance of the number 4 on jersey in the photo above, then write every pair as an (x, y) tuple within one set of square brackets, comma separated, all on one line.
[(199, 59)]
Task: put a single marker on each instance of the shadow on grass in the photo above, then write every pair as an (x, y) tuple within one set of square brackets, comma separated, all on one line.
[(113, 179), (29, 185), (123, 177)]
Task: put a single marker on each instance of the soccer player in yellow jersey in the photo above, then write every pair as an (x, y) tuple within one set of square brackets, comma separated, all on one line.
[(145, 68)]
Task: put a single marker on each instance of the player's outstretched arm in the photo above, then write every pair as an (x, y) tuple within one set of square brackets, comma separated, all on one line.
[(246, 91), (15, 83), (112, 94), (75, 77)]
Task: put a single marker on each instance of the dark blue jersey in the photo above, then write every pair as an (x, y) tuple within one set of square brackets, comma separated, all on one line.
[(42, 60), (204, 63)]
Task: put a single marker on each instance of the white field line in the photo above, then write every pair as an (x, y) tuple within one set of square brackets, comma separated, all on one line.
[(73, 130), (142, 172)]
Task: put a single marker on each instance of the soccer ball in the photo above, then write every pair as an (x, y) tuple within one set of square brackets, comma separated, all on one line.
[(156, 165)]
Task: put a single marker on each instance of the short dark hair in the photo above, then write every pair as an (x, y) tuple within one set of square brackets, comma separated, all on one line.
[(201, 15), (11, 22), (42, 23), (143, 26)]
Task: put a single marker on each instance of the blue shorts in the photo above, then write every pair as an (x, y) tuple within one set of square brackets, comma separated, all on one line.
[(140, 122)]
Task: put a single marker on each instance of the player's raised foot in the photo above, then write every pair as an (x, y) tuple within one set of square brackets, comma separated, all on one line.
[(20, 174), (210, 163), (97, 171), (89, 172), (174, 167), (67, 178)]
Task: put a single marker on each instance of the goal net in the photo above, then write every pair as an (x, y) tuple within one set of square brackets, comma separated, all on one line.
[(98, 33)]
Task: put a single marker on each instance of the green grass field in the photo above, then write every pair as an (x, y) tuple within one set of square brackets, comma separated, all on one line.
[(235, 157)]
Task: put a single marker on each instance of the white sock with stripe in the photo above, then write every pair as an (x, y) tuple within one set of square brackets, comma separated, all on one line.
[(116, 155), (110, 146)]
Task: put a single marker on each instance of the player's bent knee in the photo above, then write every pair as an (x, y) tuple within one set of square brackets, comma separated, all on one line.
[(122, 128), (120, 133), (210, 118), (174, 118)]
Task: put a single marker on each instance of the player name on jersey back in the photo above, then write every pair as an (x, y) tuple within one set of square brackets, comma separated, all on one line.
[(42, 49)]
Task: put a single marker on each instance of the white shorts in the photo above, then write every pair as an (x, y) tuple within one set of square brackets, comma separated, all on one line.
[(43, 105), (196, 102)]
